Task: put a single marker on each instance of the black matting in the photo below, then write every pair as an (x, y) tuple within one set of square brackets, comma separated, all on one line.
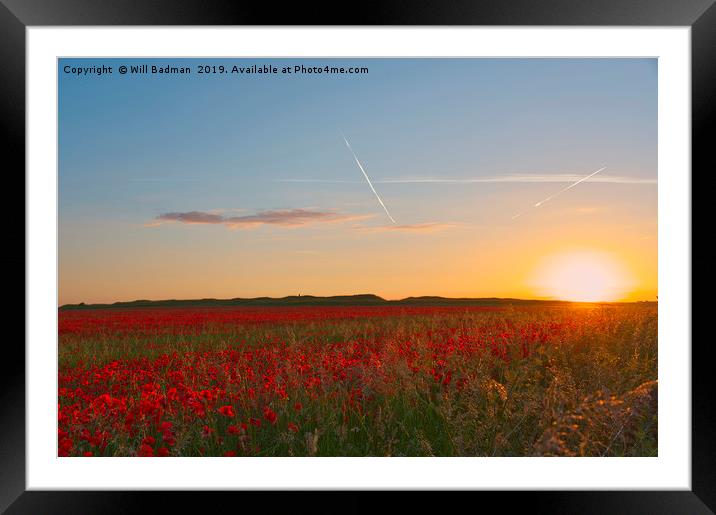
[(17, 15)]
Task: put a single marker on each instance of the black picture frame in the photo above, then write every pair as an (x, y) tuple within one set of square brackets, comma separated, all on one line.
[(17, 15)]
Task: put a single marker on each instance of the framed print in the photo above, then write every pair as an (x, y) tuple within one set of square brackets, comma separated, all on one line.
[(439, 250)]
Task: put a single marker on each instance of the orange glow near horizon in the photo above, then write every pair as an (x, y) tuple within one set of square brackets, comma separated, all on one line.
[(583, 276)]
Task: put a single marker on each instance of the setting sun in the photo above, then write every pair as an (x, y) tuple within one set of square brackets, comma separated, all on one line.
[(583, 276)]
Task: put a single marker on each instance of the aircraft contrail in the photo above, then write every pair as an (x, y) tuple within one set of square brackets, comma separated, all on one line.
[(368, 179), (538, 204)]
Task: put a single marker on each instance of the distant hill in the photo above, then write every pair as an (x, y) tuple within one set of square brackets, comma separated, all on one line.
[(310, 300)]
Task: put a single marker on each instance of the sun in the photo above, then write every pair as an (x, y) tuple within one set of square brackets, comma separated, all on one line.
[(582, 276)]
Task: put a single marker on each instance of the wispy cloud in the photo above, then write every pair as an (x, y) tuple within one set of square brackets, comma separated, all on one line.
[(322, 181), (165, 179), (547, 178), (422, 227), (192, 217), (283, 218), (509, 178)]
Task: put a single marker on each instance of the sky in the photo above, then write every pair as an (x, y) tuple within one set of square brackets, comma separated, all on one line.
[(242, 185)]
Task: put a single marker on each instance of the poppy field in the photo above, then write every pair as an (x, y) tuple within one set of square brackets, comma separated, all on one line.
[(393, 380)]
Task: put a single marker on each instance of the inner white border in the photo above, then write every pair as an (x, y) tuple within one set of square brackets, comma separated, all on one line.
[(670, 470)]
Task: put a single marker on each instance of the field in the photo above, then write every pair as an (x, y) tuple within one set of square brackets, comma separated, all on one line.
[(569, 380)]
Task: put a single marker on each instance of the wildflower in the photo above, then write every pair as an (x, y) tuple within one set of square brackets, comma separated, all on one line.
[(270, 415), (145, 451), (65, 446), (227, 411), (448, 378), (172, 394)]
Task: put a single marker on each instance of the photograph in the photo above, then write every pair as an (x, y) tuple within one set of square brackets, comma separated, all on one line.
[(357, 257)]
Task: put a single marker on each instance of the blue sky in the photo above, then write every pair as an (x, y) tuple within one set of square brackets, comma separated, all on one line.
[(133, 148)]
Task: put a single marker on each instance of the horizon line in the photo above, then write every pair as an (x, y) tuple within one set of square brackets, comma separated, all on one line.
[(358, 295)]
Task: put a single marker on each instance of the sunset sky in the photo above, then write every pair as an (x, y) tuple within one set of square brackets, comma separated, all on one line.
[(224, 186)]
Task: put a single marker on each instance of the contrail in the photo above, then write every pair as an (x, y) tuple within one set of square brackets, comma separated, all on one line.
[(368, 179), (538, 204)]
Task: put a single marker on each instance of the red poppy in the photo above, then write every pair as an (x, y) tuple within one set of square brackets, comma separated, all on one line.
[(227, 411), (65, 446), (145, 451), (270, 415)]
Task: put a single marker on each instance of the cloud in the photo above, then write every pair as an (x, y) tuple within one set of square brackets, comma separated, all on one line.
[(422, 227), (509, 178), (522, 179), (192, 217), (153, 223), (283, 218)]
